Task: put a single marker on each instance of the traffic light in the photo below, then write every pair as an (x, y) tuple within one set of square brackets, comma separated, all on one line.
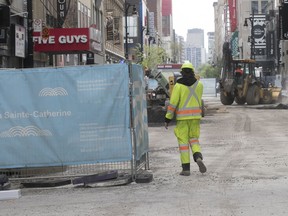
[(4, 16)]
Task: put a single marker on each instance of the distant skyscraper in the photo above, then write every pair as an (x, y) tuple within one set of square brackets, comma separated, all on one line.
[(156, 7), (194, 50), (195, 37), (167, 28)]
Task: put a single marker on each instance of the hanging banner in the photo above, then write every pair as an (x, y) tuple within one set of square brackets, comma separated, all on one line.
[(232, 14), (259, 34), (283, 18), (61, 12)]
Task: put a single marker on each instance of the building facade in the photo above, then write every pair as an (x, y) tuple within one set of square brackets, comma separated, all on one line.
[(13, 34), (211, 48), (167, 28), (244, 24)]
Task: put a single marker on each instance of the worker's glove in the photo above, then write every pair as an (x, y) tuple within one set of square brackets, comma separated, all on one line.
[(167, 121)]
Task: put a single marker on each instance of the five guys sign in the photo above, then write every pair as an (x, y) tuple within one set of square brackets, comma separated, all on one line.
[(61, 40)]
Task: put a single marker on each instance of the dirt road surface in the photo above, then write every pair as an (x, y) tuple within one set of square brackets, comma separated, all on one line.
[(246, 153)]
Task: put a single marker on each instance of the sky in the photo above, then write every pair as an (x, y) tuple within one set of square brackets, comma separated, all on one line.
[(188, 14)]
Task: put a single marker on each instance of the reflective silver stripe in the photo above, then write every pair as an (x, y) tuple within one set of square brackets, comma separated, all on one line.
[(188, 114), (179, 111), (182, 151), (192, 93), (186, 108), (170, 111)]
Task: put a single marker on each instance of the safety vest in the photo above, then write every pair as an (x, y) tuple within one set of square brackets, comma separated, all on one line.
[(186, 102)]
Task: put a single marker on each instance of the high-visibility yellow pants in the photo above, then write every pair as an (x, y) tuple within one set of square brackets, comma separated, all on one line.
[(188, 133)]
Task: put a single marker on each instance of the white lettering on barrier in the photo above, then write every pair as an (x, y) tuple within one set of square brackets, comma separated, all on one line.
[(36, 114)]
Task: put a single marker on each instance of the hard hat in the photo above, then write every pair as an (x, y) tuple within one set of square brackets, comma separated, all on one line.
[(187, 64)]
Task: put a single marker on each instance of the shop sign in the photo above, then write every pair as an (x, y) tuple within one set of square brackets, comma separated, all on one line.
[(20, 41), (61, 11), (95, 39), (62, 40)]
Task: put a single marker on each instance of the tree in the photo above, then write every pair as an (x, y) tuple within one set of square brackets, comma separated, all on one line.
[(176, 50), (151, 56), (209, 71)]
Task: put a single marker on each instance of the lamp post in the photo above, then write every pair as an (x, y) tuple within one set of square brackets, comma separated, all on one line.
[(134, 12), (29, 60), (252, 44)]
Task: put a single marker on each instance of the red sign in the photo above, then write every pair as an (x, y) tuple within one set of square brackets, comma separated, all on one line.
[(169, 66), (166, 7), (232, 11), (62, 40)]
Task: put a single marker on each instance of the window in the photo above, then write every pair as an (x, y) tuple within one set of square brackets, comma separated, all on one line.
[(264, 7), (132, 26), (254, 6)]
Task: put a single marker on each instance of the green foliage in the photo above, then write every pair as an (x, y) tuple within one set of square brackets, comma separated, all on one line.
[(176, 50), (151, 56), (209, 71)]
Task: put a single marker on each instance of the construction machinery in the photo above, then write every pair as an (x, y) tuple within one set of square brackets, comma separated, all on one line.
[(160, 85), (246, 87)]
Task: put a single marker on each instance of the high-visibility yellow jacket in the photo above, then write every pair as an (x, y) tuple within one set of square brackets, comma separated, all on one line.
[(185, 101)]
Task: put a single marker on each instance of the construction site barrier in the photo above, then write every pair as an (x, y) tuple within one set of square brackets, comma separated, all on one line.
[(73, 120)]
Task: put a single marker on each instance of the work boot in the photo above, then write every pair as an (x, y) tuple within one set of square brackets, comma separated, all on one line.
[(202, 167), (185, 169), (185, 172)]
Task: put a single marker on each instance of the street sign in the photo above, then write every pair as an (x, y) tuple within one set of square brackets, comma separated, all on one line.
[(37, 25)]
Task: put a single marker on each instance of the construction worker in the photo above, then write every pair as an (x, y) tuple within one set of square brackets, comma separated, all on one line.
[(238, 74), (185, 104), (239, 71)]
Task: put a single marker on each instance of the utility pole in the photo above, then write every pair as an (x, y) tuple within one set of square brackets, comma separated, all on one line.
[(29, 60), (126, 7), (134, 13)]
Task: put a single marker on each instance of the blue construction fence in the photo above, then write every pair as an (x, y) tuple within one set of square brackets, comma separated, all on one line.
[(72, 116)]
